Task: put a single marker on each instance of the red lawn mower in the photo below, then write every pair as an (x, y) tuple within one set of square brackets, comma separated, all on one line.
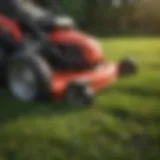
[(44, 55)]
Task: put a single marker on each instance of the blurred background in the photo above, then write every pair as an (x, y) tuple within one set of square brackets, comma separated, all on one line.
[(124, 123), (114, 16)]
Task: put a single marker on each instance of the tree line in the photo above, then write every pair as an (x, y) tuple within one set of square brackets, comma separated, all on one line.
[(100, 16)]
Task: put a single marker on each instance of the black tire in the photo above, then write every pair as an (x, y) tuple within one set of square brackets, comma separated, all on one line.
[(128, 67), (40, 71), (79, 95)]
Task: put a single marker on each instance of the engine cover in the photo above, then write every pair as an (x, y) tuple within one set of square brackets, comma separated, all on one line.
[(87, 47)]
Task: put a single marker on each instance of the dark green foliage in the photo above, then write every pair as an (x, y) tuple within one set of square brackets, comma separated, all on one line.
[(100, 16), (75, 8)]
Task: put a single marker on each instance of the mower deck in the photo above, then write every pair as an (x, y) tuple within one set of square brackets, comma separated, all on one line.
[(96, 79)]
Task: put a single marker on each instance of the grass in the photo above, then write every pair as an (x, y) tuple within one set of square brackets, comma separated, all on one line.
[(123, 124)]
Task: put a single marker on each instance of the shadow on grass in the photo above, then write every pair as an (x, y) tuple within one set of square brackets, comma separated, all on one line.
[(125, 114), (141, 91), (153, 66), (136, 90), (11, 109)]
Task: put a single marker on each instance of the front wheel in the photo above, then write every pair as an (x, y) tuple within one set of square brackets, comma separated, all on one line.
[(79, 95), (128, 67), (28, 78)]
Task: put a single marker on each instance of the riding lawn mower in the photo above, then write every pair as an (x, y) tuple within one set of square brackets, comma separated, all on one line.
[(43, 56)]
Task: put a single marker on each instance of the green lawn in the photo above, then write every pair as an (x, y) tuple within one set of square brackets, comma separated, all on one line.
[(124, 124)]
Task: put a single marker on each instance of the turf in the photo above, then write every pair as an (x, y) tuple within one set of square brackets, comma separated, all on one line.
[(123, 124)]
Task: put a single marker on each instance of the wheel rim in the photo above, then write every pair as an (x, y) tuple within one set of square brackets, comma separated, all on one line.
[(22, 82)]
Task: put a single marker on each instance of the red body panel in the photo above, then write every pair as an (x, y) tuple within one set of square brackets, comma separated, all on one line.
[(90, 47), (11, 26), (97, 79)]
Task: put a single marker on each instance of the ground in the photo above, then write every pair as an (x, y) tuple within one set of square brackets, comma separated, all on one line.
[(123, 124)]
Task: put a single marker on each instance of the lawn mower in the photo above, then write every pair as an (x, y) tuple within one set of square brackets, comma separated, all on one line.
[(44, 55)]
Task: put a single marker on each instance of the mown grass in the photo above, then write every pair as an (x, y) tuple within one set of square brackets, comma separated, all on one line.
[(123, 124)]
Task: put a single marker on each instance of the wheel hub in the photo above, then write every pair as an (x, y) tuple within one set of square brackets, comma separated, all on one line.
[(22, 82)]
